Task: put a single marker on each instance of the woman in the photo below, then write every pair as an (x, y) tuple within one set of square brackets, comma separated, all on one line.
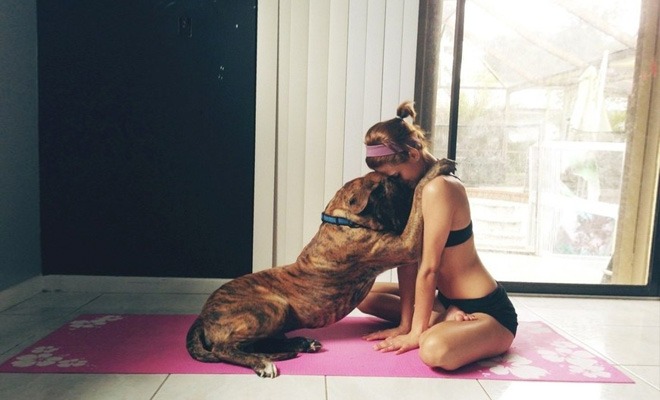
[(472, 317)]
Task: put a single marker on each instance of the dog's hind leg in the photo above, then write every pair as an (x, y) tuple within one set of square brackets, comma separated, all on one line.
[(195, 343)]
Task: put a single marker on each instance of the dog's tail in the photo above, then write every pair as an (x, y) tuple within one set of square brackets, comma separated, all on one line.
[(195, 343)]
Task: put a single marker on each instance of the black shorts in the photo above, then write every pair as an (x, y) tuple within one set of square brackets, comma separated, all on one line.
[(496, 304)]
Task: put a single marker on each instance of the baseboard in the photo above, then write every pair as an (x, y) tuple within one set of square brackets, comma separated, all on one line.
[(117, 284), (129, 284), (105, 284), (20, 292)]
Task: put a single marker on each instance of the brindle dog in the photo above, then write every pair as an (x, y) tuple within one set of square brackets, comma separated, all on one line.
[(244, 321)]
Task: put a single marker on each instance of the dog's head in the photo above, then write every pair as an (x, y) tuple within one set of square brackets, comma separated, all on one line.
[(373, 201)]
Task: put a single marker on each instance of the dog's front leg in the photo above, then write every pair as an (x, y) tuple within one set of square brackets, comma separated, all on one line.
[(232, 354)]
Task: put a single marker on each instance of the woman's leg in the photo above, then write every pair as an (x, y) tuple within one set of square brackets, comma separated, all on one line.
[(383, 301), (453, 343)]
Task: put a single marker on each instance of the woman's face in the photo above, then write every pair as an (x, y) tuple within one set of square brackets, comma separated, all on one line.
[(409, 172)]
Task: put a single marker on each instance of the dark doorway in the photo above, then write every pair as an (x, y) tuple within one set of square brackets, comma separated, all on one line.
[(146, 120)]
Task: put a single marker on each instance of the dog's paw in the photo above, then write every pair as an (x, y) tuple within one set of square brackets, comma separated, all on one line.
[(440, 167), (268, 371), (305, 345), (443, 166), (447, 166), (313, 346)]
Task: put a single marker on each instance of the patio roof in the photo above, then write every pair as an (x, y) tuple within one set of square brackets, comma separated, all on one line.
[(541, 43)]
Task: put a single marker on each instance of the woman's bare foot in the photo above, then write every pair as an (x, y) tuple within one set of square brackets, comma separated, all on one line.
[(454, 313)]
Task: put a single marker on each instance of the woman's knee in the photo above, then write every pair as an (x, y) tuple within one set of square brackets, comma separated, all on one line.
[(436, 352)]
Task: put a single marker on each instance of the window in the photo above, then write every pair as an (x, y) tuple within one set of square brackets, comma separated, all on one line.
[(551, 102)]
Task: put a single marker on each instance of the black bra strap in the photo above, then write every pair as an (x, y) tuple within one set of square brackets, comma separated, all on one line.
[(461, 236)]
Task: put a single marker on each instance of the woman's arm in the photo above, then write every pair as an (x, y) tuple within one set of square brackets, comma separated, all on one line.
[(437, 211)]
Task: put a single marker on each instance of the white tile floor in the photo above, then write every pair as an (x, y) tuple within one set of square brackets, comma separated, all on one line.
[(626, 332)]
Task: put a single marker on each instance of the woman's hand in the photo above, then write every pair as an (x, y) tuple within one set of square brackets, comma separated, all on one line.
[(399, 344), (386, 333)]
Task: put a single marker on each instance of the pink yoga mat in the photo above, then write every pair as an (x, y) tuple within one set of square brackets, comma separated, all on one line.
[(155, 344)]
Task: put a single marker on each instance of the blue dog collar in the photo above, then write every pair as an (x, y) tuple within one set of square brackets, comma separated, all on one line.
[(339, 221)]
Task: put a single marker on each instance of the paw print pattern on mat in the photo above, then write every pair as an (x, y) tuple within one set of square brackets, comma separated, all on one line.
[(93, 323), (44, 356)]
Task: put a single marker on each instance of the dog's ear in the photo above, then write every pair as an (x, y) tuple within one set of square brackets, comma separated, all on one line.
[(390, 205), (359, 198)]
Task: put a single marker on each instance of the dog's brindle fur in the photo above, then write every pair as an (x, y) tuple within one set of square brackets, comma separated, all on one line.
[(244, 321)]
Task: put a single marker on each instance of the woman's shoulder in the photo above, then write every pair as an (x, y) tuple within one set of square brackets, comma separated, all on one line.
[(445, 188)]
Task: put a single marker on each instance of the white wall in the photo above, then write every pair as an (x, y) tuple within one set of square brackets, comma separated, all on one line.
[(327, 71)]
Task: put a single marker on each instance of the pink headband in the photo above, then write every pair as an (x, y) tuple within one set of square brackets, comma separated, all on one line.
[(378, 150)]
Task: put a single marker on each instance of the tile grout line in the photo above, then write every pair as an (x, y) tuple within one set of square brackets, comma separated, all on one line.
[(483, 388), (160, 387)]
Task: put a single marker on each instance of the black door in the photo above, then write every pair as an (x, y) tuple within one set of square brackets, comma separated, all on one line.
[(146, 121)]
